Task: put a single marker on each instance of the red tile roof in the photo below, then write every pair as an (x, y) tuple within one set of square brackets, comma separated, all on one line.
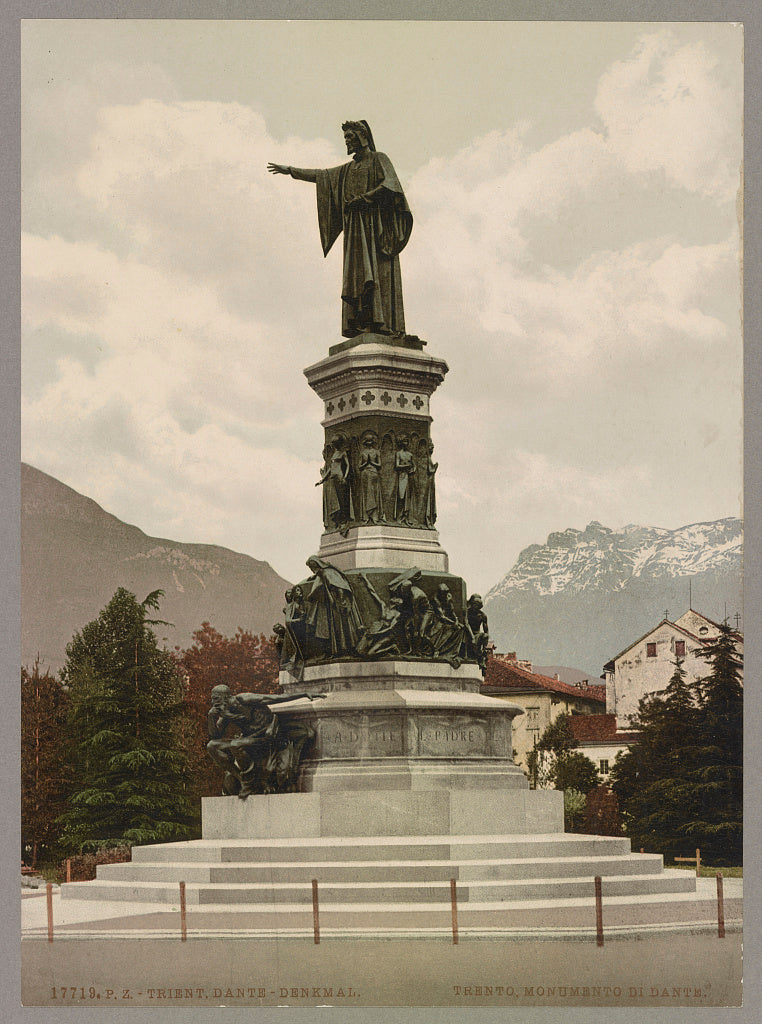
[(598, 729), (503, 676)]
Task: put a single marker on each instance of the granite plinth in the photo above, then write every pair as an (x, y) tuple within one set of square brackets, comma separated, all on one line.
[(465, 812), (386, 547), (341, 676)]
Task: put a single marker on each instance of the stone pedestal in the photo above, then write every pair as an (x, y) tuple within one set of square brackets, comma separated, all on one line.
[(382, 388), (441, 812), (369, 738), (375, 379), (393, 726), (384, 547)]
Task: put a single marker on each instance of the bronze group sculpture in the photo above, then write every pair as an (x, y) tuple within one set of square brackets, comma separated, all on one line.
[(364, 200), (337, 616), (263, 755)]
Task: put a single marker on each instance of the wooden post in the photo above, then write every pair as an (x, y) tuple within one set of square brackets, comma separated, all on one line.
[(598, 911), (315, 911), (720, 908), (49, 889), (68, 869), (698, 863), (454, 904), (183, 914)]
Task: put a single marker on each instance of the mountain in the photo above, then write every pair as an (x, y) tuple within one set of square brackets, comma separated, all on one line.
[(585, 595), (74, 555)]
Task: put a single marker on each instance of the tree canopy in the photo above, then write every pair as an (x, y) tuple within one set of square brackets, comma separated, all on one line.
[(680, 785), (125, 728), (246, 663), (554, 763), (45, 773)]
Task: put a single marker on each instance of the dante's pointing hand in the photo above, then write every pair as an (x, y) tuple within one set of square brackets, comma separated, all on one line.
[(278, 169)]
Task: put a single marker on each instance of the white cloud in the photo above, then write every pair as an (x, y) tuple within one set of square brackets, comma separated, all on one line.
[(668, 108)]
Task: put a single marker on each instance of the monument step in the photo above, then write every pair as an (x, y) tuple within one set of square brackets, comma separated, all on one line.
[(274, 894), (429, 848), (382, 871)]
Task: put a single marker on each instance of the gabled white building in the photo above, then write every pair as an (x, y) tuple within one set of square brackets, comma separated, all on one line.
[(646, 666)]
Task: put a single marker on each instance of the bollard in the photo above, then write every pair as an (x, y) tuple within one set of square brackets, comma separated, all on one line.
[(698, 863), (598, 911), (183, 914), (49, 889), (315, 911), (68, 869), (454, 903), (720, 908)]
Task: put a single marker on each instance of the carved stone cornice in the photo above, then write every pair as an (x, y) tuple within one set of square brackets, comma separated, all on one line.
[(375, 378)]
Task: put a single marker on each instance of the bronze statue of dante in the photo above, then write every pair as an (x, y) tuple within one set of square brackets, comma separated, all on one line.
[(364, 199)]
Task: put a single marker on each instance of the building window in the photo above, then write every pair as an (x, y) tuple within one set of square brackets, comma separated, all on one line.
[(650, 650), (603, 766), (679, 648)]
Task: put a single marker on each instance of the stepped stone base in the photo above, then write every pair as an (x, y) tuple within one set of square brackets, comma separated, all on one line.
[(386, 877)]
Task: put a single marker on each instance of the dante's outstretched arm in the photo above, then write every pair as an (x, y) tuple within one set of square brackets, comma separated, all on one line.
[(300, 173)]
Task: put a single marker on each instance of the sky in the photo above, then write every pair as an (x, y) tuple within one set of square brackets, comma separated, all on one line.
[(575, 258)]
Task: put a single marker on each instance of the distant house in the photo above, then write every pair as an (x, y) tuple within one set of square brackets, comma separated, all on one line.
[(646, 666), (600, 739), (542, 698)]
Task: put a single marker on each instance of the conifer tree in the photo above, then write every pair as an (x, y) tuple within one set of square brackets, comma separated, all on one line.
[(125, 733), (717, 777), (650, 780), (679, 786)]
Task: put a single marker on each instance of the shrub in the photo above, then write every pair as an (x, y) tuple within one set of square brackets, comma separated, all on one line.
[(84, 864)]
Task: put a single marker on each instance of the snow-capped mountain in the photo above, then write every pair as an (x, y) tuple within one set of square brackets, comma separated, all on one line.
[(585, 594)]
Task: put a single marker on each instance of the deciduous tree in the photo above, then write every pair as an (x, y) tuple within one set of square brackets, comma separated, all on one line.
[(246, 663), (45, 773), (556, 764)]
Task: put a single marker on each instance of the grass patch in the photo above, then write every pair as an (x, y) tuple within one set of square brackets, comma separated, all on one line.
[(708, 872)]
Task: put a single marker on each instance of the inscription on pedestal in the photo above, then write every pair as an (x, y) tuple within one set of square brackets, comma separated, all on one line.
[(448, 737), (359, 737), (385, 738)]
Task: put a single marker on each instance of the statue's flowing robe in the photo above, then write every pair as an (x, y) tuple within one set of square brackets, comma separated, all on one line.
[(333, 618), (405, 503), (374, 236), (370, 484), (337, 496)]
